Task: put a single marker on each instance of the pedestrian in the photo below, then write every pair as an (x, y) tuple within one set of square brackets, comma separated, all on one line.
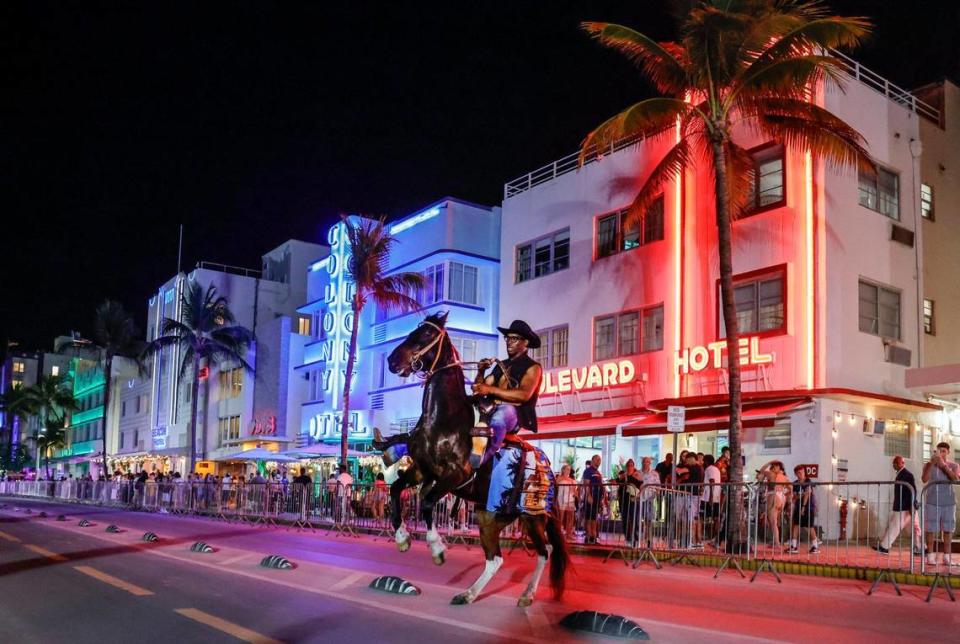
[(904, 509), (380, 492), (804, 513), (939, 503), (648, 497), (592, 498), (665, 468), (629, 483), (723, 464), (689, 490), (566, 501), (777, 491), (710, 499)]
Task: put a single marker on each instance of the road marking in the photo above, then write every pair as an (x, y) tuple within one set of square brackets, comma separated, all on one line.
[(241, 633), (537, 618), (9, 537), (348, 581), (46, 553), (233, 560), (113, 581)]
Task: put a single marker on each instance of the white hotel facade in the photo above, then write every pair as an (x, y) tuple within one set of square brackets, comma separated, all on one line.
[(829, 288), (456, 245)]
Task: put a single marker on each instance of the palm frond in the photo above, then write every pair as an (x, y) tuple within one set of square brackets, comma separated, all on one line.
[(821, 33), (660, 62), (650, 118), (809, 127), (670, 167), (790, 76)]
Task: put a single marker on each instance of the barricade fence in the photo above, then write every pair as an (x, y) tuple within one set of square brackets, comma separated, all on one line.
[(872, 524)]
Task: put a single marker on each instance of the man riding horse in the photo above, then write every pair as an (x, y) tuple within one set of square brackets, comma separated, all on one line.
[(507, 397), (513, 481)]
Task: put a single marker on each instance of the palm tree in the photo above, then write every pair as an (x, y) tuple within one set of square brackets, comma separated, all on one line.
[(206, 334), (739, 65), (370, 244), (14, 405), (49, 400), (55, 437), (115, 335)]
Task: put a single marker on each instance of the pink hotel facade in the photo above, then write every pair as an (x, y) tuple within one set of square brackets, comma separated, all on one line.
[(829, 290)]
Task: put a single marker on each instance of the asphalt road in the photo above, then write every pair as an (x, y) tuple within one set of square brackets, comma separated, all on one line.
[(62, 582)]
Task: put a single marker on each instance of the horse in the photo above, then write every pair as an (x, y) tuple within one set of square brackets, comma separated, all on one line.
[(440, 447)]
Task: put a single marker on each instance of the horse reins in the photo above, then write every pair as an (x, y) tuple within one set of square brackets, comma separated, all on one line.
[(415, 359)]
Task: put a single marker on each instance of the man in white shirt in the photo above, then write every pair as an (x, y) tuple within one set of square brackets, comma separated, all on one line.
[(710, 498), (648, 496)]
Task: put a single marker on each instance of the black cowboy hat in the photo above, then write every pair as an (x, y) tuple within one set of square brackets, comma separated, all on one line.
[(522, 329)]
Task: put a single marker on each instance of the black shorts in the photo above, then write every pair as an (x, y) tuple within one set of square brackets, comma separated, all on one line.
[(805, 519), (591, 510), (709, 510)]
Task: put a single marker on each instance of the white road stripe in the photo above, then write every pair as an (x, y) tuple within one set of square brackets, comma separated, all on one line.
[(238, 558), (348, 580)]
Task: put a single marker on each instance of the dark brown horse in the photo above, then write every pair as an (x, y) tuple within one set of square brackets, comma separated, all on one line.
[(440, 447)]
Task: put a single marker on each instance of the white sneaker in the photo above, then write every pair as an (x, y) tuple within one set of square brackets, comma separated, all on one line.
[(933, 559), (947, 561)]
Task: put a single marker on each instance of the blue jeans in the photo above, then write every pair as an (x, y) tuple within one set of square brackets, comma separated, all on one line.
[(503, 421)]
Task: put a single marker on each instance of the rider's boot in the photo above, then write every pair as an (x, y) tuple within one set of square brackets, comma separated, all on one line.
[(381, 443)]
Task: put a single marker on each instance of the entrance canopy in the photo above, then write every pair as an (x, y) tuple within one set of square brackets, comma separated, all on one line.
[(321, 450), (580, 425), (257, 454), (708, 419)]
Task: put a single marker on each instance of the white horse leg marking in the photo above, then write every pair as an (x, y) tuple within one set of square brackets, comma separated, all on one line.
[(527, 597), (403, 538), (489, 570), (436, 545)]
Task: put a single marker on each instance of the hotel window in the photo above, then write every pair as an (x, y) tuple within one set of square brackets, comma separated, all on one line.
[(138, 404), (896, 438), (236, 382), (759, 303), (652, 329), (879, 310), (543, 256), (136, 439), (767, 178), (55, 370), (616, 232), (776, 440), (929, 327), (123, 435), (303, 325), (926, 201), (432, 292), (18, 367), (123, 408), (463, 283), (466, 347), (880, 191), (553, 349), (628, 333), (16, 384)]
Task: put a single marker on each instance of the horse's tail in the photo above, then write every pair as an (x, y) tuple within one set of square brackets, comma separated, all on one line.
[(559, 558)]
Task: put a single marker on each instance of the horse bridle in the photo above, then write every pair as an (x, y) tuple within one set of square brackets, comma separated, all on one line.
[(416, 364)]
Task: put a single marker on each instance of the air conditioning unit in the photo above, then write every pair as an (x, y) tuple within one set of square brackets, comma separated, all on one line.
[(902, 235), (874, 426), (897, 355)]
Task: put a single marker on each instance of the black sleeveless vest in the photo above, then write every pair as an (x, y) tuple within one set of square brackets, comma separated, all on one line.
[(516, 368)]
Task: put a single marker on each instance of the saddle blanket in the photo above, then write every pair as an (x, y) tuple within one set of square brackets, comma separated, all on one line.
[(534, 495)]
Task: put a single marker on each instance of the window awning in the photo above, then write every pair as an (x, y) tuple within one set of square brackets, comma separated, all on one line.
[(579, 426), (710, 419)]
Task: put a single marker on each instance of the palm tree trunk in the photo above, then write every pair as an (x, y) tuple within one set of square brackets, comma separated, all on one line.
[(736, 526), (195, 389), (108, 372), (36, 434), (345, 421)]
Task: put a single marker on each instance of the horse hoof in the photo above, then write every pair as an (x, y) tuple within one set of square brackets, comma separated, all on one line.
[(461, 599), (403, 546), (524, 602), (439, 559)]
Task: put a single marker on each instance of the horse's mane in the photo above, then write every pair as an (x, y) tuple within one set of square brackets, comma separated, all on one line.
[(439, 318)]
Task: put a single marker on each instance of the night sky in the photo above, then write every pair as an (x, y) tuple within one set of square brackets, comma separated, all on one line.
[(254, 122)]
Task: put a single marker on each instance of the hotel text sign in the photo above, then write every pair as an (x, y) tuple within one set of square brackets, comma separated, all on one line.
[(711, 356), (595, 376)]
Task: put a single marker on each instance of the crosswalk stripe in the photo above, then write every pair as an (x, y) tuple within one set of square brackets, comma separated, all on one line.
[(9, 537)]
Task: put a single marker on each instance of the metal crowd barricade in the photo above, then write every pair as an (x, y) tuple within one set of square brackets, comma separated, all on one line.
[(938, 519)]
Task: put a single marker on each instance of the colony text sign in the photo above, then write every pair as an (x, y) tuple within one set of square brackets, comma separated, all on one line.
[(698, 358), (595, 376)]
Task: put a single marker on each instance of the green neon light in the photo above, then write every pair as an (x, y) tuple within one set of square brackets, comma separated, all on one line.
[(81, 417)]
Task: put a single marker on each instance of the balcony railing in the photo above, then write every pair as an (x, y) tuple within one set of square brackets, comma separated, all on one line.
[(854, 69)]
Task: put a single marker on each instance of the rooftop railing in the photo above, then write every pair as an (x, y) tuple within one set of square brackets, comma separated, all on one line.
[(854, 69), (227, 268)]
